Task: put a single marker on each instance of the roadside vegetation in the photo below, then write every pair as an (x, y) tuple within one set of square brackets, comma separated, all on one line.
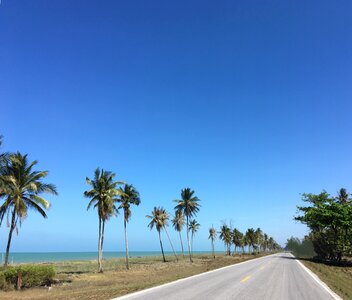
[(327, 249)]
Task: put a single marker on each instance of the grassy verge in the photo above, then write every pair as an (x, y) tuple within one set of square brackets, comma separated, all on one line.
[(338, 278), (79, 279)]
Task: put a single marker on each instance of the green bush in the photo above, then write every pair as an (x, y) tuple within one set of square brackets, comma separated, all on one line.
[(30, 275)]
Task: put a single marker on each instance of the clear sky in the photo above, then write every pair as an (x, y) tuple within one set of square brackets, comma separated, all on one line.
[(247, 102)]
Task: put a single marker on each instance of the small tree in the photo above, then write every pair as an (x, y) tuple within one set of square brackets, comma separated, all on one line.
[(212, 237)]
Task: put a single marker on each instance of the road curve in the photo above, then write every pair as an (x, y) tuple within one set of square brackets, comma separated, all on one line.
[(274, 277)]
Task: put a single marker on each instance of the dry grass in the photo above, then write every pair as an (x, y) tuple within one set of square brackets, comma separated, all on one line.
[(80, 280), (338, 278)]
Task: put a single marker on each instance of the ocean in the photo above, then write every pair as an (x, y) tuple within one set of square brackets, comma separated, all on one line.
[(28, 257)]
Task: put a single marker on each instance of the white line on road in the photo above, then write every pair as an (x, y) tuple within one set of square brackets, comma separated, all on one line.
[(319, 281)]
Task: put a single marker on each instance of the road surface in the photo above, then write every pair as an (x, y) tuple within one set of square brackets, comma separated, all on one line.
[(274, 277)]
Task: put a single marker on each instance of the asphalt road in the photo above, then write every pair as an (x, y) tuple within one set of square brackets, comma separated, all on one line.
[(274, 277)]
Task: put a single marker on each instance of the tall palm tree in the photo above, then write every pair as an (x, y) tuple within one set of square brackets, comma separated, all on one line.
[(193, 227), (102, 195), (237, 237), (178, 222), (129, 196), (226, 237), (251, 239), (212, 237), (265, 243), (258, 239), (22, 187), (159, 218), (189, 206)]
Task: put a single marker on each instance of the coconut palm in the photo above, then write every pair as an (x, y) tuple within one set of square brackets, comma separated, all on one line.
[(193, 227), (159, 218), (129, 196), (212, 237), (103, 195), (189, 206), (251, 239), (22, 189), (226, 237), (237, 237), (265, 242), (343, 196), (258, 239), (178, 222)]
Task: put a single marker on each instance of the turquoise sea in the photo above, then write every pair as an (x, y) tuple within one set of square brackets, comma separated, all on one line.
[(24, 257)]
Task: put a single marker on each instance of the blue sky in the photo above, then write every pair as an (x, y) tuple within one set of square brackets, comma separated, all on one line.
[(246, 102)]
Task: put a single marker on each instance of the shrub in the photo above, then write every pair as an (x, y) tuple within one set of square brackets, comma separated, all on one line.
[(29, 275)]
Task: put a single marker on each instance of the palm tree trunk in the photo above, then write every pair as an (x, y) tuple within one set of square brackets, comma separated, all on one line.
[(126, 244), (189, 245), (192, 243), (161, 246), (173, 250), (102, 244), (183, 254), (13, 225), (212, 248), (100, 267)]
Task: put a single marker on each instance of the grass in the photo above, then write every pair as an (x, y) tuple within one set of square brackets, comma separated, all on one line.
[(79, 279), (338, 278)]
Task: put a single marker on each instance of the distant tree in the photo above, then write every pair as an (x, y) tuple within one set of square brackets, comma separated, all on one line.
[(343, 196), (189, 206), (159, 218), (193, 227), (102, 195), (22, 188), (265, 242), (128, 196), (212, 237), (226, 237), (178, 222)]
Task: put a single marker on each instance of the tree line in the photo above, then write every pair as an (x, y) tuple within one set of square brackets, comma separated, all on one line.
[(329, 219), (22, 188), (252, 240)]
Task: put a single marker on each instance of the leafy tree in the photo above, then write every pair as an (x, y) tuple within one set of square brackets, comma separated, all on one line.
[(330, 221), (22, 188), (193, 227), (189, 206), (212, 237), (178, 222), (159, 219), (128, 196), (103, 195), (226, 237)]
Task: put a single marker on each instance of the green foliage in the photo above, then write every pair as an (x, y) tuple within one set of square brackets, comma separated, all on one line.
[(31, 276), (330, 221), (301, 248)]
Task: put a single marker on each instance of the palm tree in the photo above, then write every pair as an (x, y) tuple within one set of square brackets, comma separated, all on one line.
[(258, 239), (178, 222), (129, 196), (189, 206), (193, 227), (3, 161), (159, 219), (226, 236), (212, 237), (237, 237), (251, 238), (22, 187), (265, 243), (102, 194), (343, 196)]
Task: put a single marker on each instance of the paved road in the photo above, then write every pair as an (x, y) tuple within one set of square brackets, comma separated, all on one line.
[(274, 277)]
